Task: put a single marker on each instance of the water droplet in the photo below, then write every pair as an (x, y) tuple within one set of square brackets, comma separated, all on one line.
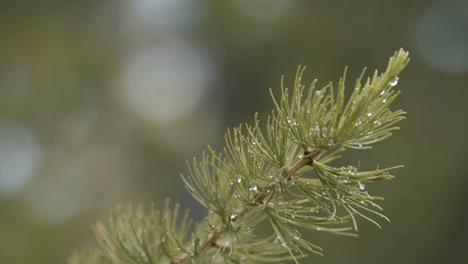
[(359, 145), (271, 176), (383, 92), (291, 122), (394, 81), (317, 129), (369, 114), (239, 180), (384, 100), (226, 242), (233, 216), (331, 143), (362, 186), (324, 131), (351, 170), (297, 234), (359, 122), (284, 244), (253, 188), (277, 239)]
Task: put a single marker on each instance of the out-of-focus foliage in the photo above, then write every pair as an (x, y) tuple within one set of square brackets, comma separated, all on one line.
[(101, 102)]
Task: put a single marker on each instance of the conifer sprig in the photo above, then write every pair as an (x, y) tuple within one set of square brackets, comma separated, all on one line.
[(278, 177)]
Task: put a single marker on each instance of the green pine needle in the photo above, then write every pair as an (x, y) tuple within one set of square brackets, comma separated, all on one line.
[(275, 175)]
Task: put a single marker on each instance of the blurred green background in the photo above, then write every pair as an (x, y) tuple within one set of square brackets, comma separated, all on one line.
[(102, 102)]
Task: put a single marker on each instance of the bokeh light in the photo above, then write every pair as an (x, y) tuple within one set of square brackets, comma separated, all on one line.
[(163, 84), (441, 36), (20, 157)]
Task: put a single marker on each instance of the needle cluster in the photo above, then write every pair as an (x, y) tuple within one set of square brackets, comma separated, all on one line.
[(276, 176)]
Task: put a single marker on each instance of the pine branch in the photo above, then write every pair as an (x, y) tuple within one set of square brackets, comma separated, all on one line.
[(278, 176)]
